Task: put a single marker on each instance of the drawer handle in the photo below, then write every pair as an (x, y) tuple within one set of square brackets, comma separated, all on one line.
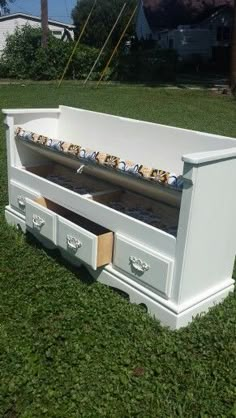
[(21, 202), (38, 222), (73, 243), (139, 265)]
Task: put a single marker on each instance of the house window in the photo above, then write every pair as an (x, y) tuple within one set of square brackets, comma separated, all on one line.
[(223, 34), (226, 34), (56, 32), (171, 43), (219, 34)]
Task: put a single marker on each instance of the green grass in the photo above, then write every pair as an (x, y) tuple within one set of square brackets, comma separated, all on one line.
[(73, 348)]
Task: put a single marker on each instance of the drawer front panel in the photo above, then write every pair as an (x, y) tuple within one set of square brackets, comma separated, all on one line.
[(40, 220), (78, 242), (152, 269), (18, 194)]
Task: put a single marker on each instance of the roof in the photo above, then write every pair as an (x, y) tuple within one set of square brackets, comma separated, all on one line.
[(212, 13), (198, 4), (182, 12), (35, 19)]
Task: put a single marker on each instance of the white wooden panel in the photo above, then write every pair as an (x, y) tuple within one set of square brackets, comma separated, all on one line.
[(18, 194), (40, 220), (206, 244), (42, 122), (144, 264), (152, 144), (77, 242)]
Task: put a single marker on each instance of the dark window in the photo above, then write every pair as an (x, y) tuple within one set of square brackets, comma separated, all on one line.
[(226, 34), (219, 34), (223, 34), (171, 43), (56, 32)]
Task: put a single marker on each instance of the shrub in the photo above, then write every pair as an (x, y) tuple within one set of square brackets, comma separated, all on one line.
[(23, 57), (83, 60), (150, 65), (19, 52)]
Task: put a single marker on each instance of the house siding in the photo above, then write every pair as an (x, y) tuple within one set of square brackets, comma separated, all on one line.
[(8, 27), (143, 30), (187, 42), (221, 20)]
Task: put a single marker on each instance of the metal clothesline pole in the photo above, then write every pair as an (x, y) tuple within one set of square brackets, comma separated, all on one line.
[(117, 46), (77, 43), (105, 44)]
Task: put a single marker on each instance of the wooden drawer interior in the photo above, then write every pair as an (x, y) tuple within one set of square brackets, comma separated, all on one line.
[(82, 184), (104, 236), (72, 216), (152, 212)]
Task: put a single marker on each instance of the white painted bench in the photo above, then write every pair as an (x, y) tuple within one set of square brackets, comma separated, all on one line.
[(170, 249)]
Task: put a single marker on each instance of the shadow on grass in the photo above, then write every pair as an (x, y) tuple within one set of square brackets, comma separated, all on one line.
[(81, 273), (184, 81)]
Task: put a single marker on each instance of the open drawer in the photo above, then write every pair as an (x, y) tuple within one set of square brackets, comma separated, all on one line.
[(40, 218), (82, 239)]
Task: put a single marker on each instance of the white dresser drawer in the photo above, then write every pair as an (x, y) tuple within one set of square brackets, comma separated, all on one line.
[(40, 219), (78, 237), (144, 264), (18, 194), (89, 243)]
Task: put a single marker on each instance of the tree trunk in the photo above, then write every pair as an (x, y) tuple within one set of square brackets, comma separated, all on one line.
[(44, 20), (233, 53)]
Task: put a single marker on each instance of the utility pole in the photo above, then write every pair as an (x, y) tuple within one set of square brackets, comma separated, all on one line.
[(233, 54), (44, 20)]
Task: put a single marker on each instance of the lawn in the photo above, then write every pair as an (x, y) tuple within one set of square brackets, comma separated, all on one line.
[(70, 347)]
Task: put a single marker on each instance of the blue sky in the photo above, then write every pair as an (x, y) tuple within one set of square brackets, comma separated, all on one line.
[(57, 9)]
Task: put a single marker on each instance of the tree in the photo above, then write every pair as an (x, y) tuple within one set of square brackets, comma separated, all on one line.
[(4, 5), (233, 54), (102, 19)]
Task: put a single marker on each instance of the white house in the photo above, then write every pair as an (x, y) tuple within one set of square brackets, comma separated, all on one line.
[(188, 42), (143, 29), (219, 23), (201, 38), (8, 24)]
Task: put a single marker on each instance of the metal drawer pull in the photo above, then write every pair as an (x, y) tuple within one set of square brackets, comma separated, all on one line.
[(21, 201), (38, 222), (138, 264), (73, 243)]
